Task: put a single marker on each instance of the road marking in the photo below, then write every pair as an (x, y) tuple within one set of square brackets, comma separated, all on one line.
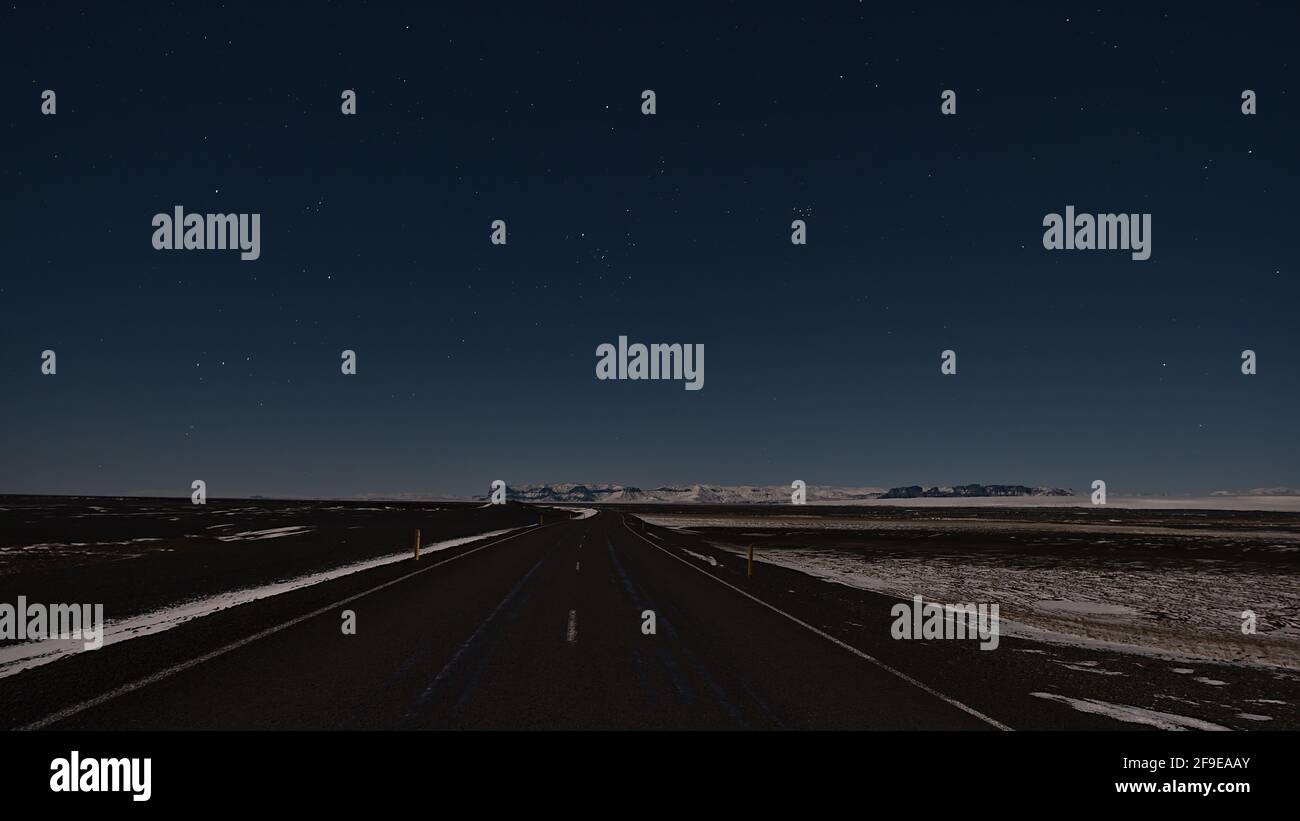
[(571, 635), (577, 566), (855, 651), (168, 672)]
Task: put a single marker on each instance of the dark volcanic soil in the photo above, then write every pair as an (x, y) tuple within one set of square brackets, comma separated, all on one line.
[(90, 549)]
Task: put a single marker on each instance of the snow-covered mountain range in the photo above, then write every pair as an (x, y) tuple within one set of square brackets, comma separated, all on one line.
[(752, 494), (972, 491)]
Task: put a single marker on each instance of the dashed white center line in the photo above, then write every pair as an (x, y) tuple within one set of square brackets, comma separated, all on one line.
[(577, 566), (572, 635)]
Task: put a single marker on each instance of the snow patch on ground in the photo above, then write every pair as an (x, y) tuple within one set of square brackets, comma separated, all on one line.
[(15, 658), (701, 557), (1086, 608), (1089, 667), (583, 512), (1130, 714), (269, 533)]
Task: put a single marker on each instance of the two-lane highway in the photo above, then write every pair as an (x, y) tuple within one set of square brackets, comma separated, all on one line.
[(546, 629)]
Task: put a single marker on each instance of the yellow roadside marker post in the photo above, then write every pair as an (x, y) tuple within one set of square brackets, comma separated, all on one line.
[(417, 543)]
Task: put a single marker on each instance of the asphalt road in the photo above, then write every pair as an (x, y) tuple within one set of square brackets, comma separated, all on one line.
[(543, 629)]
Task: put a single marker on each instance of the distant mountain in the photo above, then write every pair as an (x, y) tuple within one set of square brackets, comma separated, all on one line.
[(573, 493), (707, 494), (1260, 491), (971, 491)]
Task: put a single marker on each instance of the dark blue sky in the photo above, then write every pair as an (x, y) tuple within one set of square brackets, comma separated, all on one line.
[(477, 362)]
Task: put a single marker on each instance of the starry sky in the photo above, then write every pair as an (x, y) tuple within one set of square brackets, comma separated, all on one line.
[(477, 362)]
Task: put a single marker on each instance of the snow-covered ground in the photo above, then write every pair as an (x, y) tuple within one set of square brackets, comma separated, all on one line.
[(123, 548), (1220, 502), (15, 658), (1134, 715), (1179, 614), (1171, 586), (1273, 539)]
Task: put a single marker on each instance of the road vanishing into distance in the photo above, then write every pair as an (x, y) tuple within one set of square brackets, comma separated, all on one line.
[(546, 628)]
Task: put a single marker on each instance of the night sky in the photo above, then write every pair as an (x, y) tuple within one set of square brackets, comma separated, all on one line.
[(477, 362)]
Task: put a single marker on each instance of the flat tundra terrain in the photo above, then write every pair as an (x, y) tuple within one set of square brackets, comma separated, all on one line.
[(286, 614)]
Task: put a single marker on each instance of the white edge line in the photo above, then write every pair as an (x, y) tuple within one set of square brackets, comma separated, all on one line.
[(855, 651), (167, 672)]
